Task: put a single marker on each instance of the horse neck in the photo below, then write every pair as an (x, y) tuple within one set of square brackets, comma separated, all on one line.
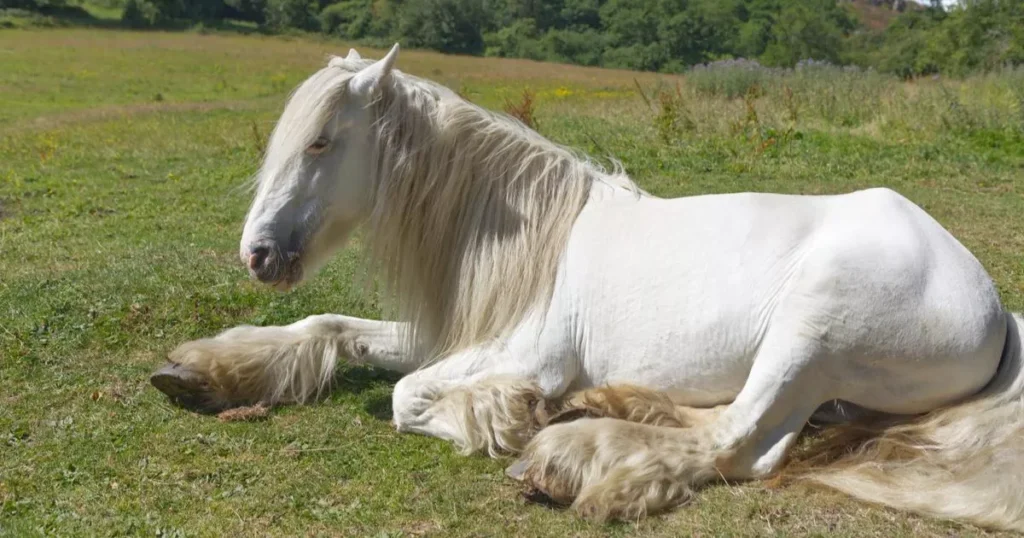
[(471, 216)]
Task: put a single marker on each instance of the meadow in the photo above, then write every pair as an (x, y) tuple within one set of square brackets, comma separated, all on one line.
[(123, 159)]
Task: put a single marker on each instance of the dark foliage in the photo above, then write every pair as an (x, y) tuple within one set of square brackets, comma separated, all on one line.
[(658, 35)]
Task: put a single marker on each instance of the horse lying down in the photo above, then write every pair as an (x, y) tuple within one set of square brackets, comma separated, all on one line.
[(627, 348)]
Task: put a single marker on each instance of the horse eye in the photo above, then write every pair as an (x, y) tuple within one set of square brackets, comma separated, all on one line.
[(318, 146)]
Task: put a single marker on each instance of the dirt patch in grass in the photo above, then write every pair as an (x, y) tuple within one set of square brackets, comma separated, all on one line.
[(422, 528), (244, 414)]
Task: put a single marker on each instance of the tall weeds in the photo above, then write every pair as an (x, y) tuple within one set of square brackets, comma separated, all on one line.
[(523, 109), (725, 98)]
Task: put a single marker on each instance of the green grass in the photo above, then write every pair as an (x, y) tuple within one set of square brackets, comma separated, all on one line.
[(122, 159)]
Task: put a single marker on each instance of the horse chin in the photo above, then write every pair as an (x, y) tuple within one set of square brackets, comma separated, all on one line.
[(312, 256), (292, 277)]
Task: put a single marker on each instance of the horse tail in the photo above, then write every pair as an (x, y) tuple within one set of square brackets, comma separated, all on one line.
[(963, 462)]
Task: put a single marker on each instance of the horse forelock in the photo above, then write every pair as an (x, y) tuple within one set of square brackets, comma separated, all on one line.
[(308, 109)]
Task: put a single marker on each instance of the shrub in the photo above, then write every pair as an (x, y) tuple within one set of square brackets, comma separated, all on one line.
[(32, 5), (163, 12), (523, 110), (141, 13), (338, 19), (517, 40), (453, 26), (729, 78), (574, 46), (281, 14), (246, 10)]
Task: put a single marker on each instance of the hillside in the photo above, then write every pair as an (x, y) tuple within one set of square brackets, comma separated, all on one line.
[(904, 37), (879, 14)]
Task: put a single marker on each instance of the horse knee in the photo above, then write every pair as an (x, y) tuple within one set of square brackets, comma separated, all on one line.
[(497, 415), (411, 399)]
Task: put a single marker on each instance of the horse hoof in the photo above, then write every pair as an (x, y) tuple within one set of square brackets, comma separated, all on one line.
[(187, 388), (517, 471)]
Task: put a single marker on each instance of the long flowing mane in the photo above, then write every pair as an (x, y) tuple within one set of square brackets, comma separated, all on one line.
[(471, 213)]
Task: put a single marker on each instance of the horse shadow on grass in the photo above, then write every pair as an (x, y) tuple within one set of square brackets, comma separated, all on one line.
[(372, 382), (191, 392)]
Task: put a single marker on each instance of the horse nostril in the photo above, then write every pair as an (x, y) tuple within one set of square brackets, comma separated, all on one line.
[(258, 257)]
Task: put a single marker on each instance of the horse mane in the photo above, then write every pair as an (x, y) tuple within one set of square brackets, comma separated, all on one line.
[(470, 215)]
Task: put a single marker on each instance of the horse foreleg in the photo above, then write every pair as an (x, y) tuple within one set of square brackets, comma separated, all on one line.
[(495, 400), (281, 364), (501, 414), (497, 415), (492, 398), (617, 469), (627, 402)]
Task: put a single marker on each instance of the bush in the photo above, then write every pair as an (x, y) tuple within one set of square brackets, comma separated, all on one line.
[(729, 78), (574, 46), (344, 18), (649, 57), (518, 40), (32, 5), (453, 26), (165, 12), (140, 13), (282, 14), (246, 10), (656, 35), (807, 29)]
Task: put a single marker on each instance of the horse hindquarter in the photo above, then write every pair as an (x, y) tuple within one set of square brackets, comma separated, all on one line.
[(859, 296), (906, 318)]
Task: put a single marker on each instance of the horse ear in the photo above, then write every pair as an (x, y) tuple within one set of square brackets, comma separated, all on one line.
[(353, 55), (369, 79)]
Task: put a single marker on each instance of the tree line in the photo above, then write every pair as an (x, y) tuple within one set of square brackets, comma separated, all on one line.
[(654, 35)]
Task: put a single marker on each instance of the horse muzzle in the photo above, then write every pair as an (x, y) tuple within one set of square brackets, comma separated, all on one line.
[(269, 264)]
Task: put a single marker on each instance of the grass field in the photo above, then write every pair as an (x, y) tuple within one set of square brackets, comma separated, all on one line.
[(122, 157)]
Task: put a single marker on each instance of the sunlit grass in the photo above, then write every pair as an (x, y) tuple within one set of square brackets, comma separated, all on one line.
[(122, 160)]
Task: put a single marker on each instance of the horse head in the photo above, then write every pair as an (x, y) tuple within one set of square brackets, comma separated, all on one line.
[(315, 183)]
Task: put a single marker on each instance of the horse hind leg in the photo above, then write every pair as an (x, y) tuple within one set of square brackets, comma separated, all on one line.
[(499, 414), (615, 469)]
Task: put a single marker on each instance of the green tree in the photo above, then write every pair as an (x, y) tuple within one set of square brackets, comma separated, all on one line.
[(807, 29), (281, 14), (697, 31), (247, 10), (665, 35), (517, 40), (345, 19), (579, 45), (579, 14), (454, 26)]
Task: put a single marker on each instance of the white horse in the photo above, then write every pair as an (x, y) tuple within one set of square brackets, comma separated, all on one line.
[(703, 331)]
